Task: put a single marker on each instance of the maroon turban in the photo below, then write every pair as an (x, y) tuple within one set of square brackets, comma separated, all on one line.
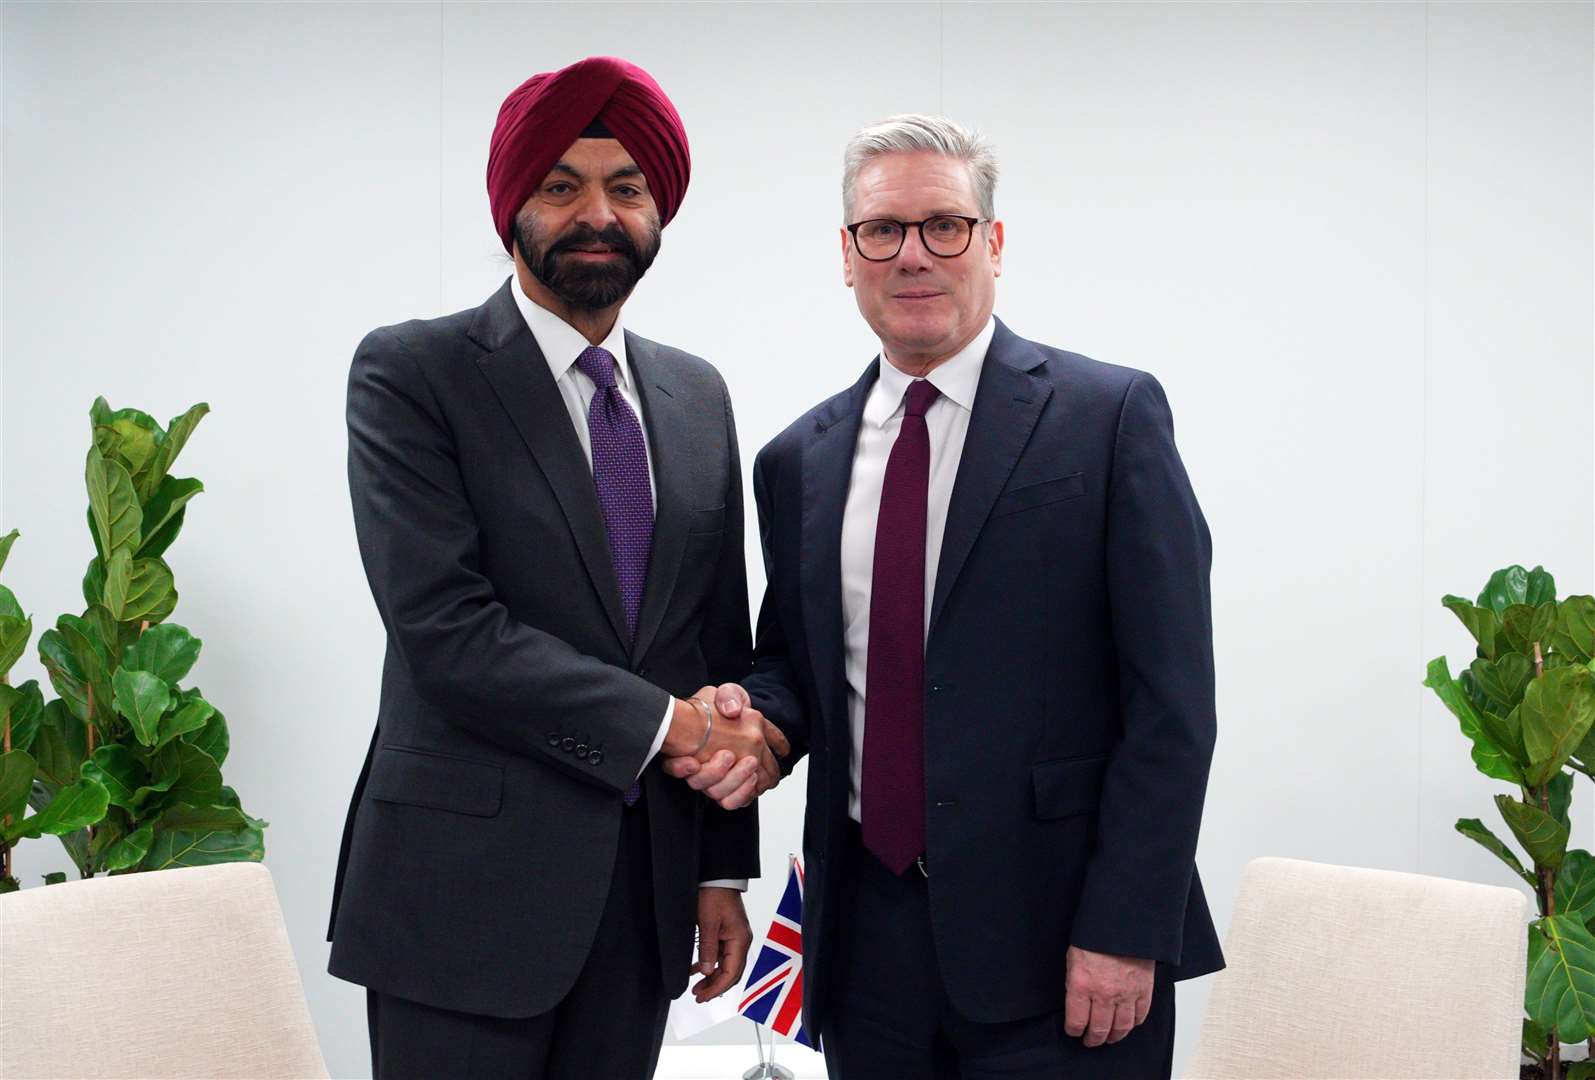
[(545, 114)]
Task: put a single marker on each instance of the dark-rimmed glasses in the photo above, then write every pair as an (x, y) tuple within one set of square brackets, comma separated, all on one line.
[(946, 236)]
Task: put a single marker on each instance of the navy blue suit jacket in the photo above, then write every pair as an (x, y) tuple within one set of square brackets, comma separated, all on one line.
[(1069, 714)]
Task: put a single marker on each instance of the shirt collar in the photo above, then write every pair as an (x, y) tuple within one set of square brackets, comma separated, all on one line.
[(561, 343), (956, 378)]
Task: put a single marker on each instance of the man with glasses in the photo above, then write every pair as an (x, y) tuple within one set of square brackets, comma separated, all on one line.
[(988, 625)]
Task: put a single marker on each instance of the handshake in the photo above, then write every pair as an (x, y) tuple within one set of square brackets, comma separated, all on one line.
[(724, 747)]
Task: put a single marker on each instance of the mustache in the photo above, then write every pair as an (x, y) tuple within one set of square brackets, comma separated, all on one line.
[(611, 236)]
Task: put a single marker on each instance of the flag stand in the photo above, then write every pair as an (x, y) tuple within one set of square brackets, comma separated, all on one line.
[(766, 1069)]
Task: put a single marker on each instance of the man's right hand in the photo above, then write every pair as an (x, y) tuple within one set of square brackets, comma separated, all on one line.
[(739, 762)]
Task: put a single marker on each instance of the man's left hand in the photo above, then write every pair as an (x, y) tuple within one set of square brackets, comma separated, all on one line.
[(1106, 996), (724, 939)]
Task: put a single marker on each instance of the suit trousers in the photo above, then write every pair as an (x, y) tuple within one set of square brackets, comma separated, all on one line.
[(891, 1016), (610, 1025)]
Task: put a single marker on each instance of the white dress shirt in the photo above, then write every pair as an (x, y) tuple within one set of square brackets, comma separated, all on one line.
[(561, 344), (947, 419)]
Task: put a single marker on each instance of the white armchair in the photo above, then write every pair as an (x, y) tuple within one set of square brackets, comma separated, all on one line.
[(1336, 971), (176, 973)]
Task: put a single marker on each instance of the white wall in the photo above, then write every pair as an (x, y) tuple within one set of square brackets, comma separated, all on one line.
[(1353, 241)]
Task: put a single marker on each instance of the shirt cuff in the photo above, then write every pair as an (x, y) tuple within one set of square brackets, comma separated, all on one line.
[(739, 884), (659, 739)]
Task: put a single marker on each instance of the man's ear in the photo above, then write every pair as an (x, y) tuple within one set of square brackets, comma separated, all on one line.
[(847, 260), (994, 246)]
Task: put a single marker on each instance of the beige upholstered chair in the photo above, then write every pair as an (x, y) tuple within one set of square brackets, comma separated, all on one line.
[(1336, 971), (177, 973)]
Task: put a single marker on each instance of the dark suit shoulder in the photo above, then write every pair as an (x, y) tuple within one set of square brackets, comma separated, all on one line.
[(425, 340), (692, 372)]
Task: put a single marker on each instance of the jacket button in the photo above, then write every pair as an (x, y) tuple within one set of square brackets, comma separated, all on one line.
[(567, 744), (595, 758), (644, 671), (553, 738), (581, 749)]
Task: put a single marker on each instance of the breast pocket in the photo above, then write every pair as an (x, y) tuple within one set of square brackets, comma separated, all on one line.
[(1041, 493)]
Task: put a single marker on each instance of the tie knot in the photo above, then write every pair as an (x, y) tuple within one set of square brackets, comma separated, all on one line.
[(920, 394), (598, 364)]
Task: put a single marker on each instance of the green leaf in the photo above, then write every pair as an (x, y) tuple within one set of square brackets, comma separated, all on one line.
[(163, 510), (88, 647), (182, 847), (1511, 586), (167, 651), (1504, 679), (1560, 796), (204, 818), (131, 849), (55, 877), (74, 807), (24, 706), (94, 582), (65, 674), (191, 715), (1557, 712), (9, 885), (5, 546), (139, 588), (126, 780), (1523, 626), (1476, 830), (1579, 1070), (1481, 622), (16, 782), (1535, 1039), (177, 434), (127, 441), (1575, 885), (113, 505), (1542, 836), (213, 737), (1488, 755), (60, 746), (14, 635), (195, 777), (227, 797), (141, 698), (1574, 635), (1560, 992)]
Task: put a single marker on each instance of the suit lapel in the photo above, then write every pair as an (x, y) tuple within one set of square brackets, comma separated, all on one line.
[(1008, 401), (827, 474), (519, 375), (669, 436)]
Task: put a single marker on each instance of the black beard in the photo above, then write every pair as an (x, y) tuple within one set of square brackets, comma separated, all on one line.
[(581, 285)]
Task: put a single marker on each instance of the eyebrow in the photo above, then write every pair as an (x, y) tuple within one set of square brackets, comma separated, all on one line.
[(624, 172)]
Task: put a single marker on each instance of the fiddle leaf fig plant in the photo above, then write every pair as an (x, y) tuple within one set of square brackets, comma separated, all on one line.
[(125, 764), (1526, 703)]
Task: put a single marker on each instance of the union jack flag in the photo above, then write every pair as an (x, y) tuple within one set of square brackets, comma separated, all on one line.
[(772, 995)]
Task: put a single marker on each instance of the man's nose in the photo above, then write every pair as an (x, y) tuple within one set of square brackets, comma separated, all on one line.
[(595, 211), (912, 256)]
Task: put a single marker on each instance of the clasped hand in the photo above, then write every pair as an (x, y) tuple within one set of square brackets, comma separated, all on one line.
[(738, 764)]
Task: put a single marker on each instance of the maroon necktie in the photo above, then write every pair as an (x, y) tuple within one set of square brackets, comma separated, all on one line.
[(892, 791)]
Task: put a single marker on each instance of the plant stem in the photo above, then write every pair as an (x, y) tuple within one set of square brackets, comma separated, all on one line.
[(88, 868)]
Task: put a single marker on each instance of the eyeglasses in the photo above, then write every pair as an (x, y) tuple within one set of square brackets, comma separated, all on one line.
[(945, 236)]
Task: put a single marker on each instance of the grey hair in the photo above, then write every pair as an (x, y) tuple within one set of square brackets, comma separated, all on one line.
[(915, 132)]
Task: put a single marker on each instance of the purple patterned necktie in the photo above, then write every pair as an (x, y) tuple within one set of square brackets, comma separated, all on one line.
[(620, 473), (892, 789)]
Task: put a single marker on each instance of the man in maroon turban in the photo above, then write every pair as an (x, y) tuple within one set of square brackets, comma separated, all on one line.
[(549, 510)]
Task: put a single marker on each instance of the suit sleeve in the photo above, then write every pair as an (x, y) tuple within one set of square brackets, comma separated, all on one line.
[(1159, 554), (730, 847), (500, 679), (773, 685)]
